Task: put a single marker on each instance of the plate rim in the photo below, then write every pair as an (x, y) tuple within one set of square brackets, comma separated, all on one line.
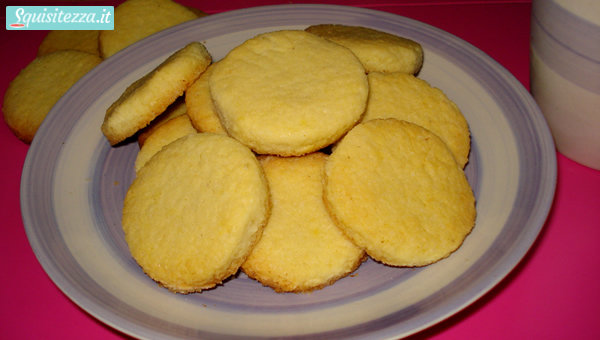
[(28, 168)]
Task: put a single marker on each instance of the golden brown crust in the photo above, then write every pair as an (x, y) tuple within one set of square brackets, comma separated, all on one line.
[(33, 93), (199, 13), (150, 96), (406, 97), (200, 106), (377, 50), (138, 19), (396, 190), (301, 249), (80, 40), (195, 211), (165, 134), (174, 110), (288, 92)]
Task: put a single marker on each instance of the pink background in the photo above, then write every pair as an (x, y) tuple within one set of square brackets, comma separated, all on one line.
[(552, 294)]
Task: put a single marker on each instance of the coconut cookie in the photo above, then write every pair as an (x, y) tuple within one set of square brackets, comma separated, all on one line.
[(200, 106), (138, 19), (150, 96), (396, 190), (80, 40), (195, 211), (36, 89), (378, 51), (288, 92), (406, 97), (301, 248), (176, 109), (165, 134)]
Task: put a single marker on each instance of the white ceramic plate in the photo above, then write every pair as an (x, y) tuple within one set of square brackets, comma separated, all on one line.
[(74, 183)]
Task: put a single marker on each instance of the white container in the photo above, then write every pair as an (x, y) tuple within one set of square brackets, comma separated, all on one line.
[(565, 74)]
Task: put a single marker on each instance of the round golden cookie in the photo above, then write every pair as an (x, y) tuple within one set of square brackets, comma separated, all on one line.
[(288, 92), (138, 19), (36, 89), (406, 97), (377, 50), (150, 96), (200, 106), (396, 190), (80, 40), (165, 134), (177, 108), (195, 211), (301, 248)]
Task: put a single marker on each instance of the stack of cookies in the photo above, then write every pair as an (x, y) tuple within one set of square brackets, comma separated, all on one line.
[(64, 56), (295, 158)]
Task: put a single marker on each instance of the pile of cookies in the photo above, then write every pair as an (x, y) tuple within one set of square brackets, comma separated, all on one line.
[(64, 56), (294, 158)]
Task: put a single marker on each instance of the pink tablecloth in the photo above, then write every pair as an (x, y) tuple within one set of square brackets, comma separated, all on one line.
[(552, 294)]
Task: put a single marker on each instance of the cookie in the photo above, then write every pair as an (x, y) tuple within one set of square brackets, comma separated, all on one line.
[(396, 190), (406, 97), (200, 106), (378, 51), (195, 211), (80, 40), (301, 248), (150, 96), (36, 89), (176, 109), (288, 92), (199, 13), (165, 134), (135, 20)]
